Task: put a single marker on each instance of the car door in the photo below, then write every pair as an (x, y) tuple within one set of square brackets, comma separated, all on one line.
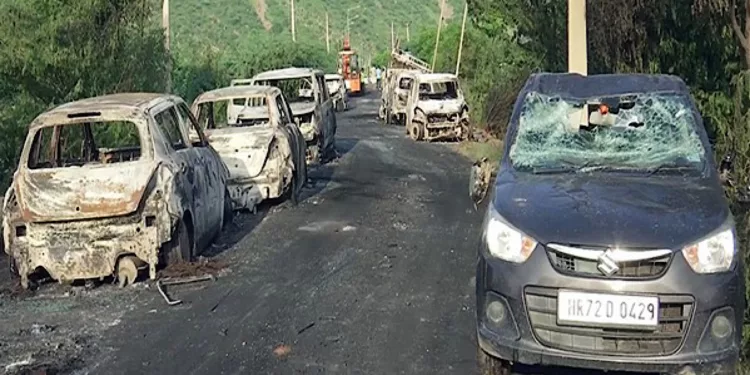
[(328, 112), (297, 141), (168, 123), (213, 171)]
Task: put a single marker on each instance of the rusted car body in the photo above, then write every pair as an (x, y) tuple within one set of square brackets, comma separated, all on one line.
[(253, 130), (395, 95), (338, 92), (436, 108), (111, 178), (311, 105)]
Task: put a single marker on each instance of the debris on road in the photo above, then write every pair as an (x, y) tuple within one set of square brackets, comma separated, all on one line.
[(201, 267), (282, 350), (305, 328), (175, 281)]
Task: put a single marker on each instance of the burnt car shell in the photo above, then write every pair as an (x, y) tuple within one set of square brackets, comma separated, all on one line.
[(598, 211)]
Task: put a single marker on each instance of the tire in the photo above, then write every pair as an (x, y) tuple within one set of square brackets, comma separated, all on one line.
[(13, 267), (489, 365), (293, 192), (180, 248), (228, 211), (388, 117), (416, 131)]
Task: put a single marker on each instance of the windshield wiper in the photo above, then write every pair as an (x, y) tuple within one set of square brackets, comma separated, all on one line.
[(552, 170)]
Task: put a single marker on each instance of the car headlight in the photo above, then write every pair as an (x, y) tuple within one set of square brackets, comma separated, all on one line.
[(713, 254), (505, 242)]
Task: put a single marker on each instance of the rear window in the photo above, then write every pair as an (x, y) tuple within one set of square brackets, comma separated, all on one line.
[(71, 145), (236, 112)]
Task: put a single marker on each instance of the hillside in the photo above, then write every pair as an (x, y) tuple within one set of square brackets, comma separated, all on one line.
[(220, 24)]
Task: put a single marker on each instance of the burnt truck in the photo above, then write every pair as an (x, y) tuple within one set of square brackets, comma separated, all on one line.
[(399, 78), (436, 108), (111, 185)]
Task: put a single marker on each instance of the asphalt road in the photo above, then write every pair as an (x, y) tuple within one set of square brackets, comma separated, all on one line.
[(372, 273)]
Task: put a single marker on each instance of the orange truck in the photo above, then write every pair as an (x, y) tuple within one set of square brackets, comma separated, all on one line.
[(349, 68)]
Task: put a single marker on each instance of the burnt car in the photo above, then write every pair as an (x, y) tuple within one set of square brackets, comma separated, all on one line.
[(436, 108), (395, 95), (311, 104), (608, 242), (111, 185), (338, 92), (252, 128)]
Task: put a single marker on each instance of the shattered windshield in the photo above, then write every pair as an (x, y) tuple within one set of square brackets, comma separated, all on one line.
[(654, 132), (438, 90)]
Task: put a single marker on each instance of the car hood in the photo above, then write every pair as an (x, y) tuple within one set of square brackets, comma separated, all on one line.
[(302, 108), (600, 210), (77, 193), (243, 149), (441, 106)]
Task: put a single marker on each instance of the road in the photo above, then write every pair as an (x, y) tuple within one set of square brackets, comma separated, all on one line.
[(372, 273)]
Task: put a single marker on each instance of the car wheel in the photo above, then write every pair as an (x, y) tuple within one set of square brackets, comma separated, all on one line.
[(179, 249), (228, 211), (489, 365), (388, 117), (294, 190), (13, 267), (416, 131)]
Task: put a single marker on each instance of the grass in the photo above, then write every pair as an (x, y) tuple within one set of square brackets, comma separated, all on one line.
[(474, 151)]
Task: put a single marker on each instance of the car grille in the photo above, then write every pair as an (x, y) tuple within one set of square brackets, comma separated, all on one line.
[(674, 316), (641, 269)]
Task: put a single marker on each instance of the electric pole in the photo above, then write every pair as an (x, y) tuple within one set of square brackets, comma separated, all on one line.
[(328, 37), (393, 38), (294, 32), (577, 43), (461, 42), (165, 26), (437, 38), (408, 39)]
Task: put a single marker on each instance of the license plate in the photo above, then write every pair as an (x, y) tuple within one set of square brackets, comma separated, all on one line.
[(607, 310)]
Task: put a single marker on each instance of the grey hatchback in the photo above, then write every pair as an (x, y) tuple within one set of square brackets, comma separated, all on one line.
[(608, 243)]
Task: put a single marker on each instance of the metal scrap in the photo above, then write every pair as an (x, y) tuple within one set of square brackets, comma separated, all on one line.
[(160, 284)]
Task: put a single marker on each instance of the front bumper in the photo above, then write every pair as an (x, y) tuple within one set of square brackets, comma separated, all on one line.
[(443, 130), (528, 339)]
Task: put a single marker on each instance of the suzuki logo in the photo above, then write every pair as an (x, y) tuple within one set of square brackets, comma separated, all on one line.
[(607, 265)]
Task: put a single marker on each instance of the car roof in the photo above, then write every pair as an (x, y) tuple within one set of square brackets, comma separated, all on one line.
[(574, 85), (123, 104), (334, 76), (292, 72), (236, 91), (436, 77)]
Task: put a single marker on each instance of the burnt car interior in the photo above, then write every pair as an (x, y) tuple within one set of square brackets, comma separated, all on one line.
[(295, 90), (237, 112), (438, 91), (85, 143)]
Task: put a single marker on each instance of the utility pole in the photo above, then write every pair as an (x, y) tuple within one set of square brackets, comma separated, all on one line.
[(328, 36), (393, 38), (165, 26), (461, 42), (437, 38), (408, 39), (577, 43), (294, 32)]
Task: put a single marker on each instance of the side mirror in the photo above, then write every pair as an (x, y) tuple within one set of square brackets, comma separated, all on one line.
[(479, 181)]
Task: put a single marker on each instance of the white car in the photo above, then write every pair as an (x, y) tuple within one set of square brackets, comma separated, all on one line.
[(311, 105), (253, 130), (338, 90), (436, 108), (112, 185)]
